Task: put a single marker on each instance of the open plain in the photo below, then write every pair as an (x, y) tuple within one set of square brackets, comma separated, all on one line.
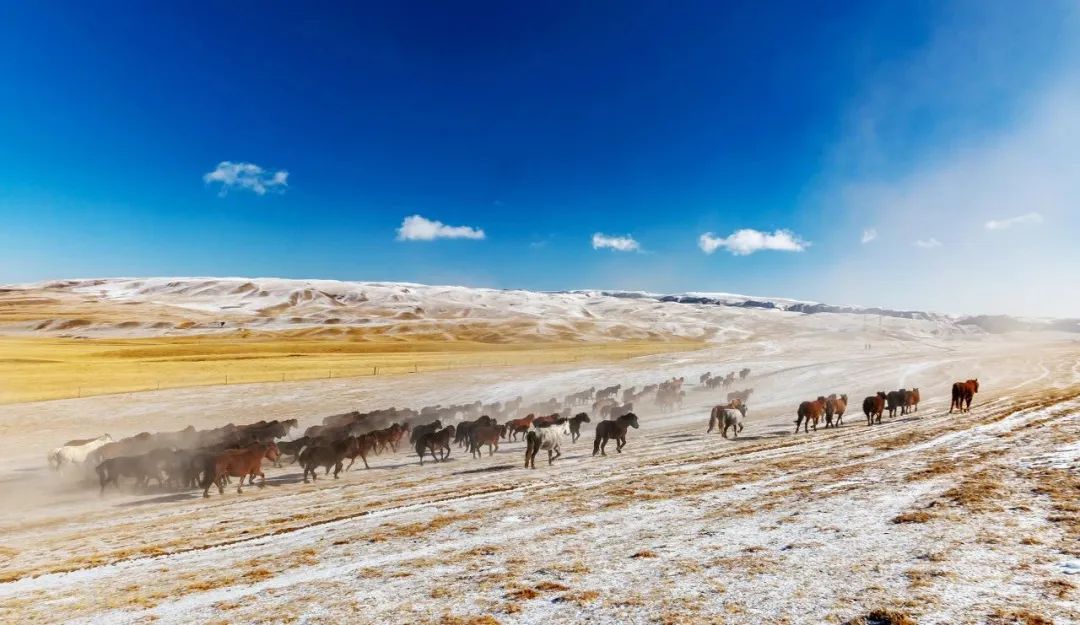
[(928, 517)]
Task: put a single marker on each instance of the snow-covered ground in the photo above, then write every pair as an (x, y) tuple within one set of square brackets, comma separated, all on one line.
[(681, 528)]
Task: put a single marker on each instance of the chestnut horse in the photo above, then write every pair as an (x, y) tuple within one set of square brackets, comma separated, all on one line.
[(616, 429), (913, 400), (239, 463), (518, 426), (834, 409), (962, 394), (810, 411), (485, 435), (873, 406)]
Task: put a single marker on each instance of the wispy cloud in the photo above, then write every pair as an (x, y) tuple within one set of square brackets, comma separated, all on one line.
[(1020, 220), (248, 176), (619, 244), (869, 235), (417, 228), (928, 243), (747, 241)]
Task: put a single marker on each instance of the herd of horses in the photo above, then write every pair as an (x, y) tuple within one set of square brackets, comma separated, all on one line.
[(193, 459)]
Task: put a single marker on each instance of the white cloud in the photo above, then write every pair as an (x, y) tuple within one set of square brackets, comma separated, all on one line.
[(869, 235), (1020, 220), (247, 176), (417, 228), (619, 244), (747, 241), (928, 243)]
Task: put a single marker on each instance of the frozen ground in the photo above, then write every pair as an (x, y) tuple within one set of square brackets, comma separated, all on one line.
[(946, 519)]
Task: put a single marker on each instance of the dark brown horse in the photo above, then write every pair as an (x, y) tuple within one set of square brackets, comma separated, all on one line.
[(962, 394), (606, 430), (365, 444), (485, 435), (433, 441), (327, 454), (575, 425), (873, 406), (894, 401), (810, 411), (543, 422), (239, 463)]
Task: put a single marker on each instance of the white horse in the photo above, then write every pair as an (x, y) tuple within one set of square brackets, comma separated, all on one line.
[(76, 454), (548, 437)]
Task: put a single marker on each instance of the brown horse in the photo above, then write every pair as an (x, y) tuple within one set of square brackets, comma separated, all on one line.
[(962, 394), (433, 441), (913, 400), (485, 435), (518, 426), (834, 410), (239, 463), (873, 406), (810, 411), (365, 444), (616, 429), (543, 422)]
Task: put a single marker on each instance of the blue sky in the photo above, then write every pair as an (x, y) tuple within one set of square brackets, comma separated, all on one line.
[(543, 125)]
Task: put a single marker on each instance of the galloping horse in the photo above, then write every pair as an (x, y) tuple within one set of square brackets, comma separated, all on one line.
[(810, 411), (873, 406), (575, 425), (962, 394), (616, 429), (239, 463), (545, 437), (718, 417), (433, 441)]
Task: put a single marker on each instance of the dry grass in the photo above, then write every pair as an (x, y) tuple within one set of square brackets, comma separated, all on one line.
[(551, 587), (883, 616), (43, 368), (1010, 616), (645, 553), (578, 597), (913, 516), (484, 619), (981, 491)]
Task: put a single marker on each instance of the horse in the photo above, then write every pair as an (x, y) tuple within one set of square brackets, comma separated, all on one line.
[(723, 417), (112, 469), (545, 437), (239, 463), (76, 452), (835, 407), (327, 454), (873, 406), (810, 411), (547, 420), (575, 425), (744, 373), (743, 395), (913, 400), (461, 433), (485, 435), (606, 430), (704, 377), (963, 393), (518, 426), (365, 443), (420, 430), (895, 400), (435, 440), (292, 448)]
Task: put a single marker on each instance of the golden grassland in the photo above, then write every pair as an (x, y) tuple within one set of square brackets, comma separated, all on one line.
[(42, 368)]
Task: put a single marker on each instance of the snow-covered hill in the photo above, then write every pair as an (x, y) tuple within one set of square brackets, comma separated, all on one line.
[(169, 306)]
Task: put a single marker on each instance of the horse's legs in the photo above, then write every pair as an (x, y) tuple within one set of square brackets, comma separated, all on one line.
[(337, 468), (351, 461), (240, 485)]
